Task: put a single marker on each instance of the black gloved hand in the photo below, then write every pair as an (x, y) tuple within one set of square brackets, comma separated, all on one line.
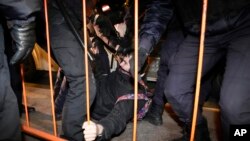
[(142, 56), (24, 38)]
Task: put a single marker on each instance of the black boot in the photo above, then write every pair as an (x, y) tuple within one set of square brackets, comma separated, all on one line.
[(186, 130), (154, 115), (201, 132)]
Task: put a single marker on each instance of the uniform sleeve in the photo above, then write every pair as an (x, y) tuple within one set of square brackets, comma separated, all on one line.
[(19, 9), (157, 16)]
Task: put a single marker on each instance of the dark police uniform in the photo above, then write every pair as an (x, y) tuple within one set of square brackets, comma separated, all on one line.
[(9, 119), (228, 28), (16, 12), (70, 57)]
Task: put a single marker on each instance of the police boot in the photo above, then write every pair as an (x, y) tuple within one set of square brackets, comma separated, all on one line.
[(201, 132), (154, 115)]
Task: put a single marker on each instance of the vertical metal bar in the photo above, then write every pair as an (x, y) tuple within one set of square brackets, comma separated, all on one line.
[(136, 71), (199, 71), (50, 71), (25, 97), (86, 59)]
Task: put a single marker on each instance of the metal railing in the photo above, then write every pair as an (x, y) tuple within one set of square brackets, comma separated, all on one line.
[(35, 132)]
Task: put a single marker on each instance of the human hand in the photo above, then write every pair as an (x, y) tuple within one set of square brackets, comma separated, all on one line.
[(24, 38), (125, 63), (91, 130), (121, 28)]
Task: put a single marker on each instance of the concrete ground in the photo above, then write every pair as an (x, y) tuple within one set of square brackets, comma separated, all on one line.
[(39, 97)]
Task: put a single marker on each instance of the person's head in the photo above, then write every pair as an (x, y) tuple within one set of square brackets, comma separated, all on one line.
[(110, 20)]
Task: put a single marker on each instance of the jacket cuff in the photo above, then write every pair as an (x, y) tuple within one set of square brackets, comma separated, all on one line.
[(106, 133)]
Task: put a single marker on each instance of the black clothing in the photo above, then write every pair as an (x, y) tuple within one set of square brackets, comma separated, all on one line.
[(169, 47), (16, 84), (15, 74), (227, 35), (110, 86), (15, 71), (75, 8), (9, 113), (70, 57), (61, 87), (235, 84), (17, 12), (111, 115), (201, 134), (221, 16), (20, 11)]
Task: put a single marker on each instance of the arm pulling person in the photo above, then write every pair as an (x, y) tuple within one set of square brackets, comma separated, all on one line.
[(157, 16)]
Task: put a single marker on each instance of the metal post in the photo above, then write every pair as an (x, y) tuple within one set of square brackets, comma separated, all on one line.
[(199, 71), (136, 71), (50, 71)]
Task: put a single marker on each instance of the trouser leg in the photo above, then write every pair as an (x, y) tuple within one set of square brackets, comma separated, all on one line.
[(169, 47), (15, 72), (9, 114), (16, 84), (70, 57), (158, 97), (235, 91), (180, 84), (74, 110)]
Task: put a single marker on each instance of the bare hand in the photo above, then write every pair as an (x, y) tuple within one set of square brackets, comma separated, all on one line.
[(125, 65)]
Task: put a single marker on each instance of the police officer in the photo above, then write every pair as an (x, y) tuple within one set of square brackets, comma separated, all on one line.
[(174, 36), (70, 57), (227, 31), (20, 21)]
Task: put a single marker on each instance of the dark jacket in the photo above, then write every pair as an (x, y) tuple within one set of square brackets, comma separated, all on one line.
[(221, 17), (19, 10), (111, 115)]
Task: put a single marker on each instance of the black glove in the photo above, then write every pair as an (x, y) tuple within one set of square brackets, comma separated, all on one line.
[(142, 56), (24, 38)]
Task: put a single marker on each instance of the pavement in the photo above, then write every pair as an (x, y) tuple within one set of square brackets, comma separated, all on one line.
[(39, 96)]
